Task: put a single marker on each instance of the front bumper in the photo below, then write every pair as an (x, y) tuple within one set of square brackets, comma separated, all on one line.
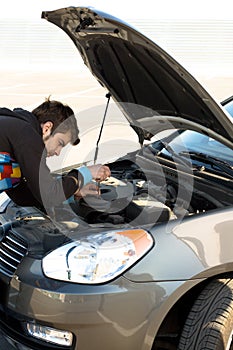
[(118, 315)]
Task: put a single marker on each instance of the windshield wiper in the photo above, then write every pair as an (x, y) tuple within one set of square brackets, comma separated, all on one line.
[(223, 165), (174, 155)]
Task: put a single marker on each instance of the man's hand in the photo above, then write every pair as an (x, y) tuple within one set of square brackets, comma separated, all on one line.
[(99, 172), (90, 189)]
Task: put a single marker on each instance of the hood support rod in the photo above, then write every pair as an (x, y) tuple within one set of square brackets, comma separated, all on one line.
[(108, 95)]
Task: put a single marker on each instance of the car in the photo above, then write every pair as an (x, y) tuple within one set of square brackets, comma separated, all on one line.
[(147, 264)]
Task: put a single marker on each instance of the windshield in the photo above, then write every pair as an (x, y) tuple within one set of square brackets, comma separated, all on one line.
[(192, 141)]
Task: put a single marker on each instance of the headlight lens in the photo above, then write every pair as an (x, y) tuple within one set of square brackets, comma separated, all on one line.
[(97, 258)]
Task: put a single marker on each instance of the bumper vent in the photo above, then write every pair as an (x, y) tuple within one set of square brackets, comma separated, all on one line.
[(12, 250)]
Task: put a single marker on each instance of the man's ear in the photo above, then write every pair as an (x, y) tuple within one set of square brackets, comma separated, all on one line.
[(46, 128)]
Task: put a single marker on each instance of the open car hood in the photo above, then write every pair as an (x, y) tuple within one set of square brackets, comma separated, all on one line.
[(151, 88)]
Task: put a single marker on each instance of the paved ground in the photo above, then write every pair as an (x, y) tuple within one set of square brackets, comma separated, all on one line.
[(77, 88)]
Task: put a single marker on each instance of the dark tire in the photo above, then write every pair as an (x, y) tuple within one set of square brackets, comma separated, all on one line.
[(209, 325)]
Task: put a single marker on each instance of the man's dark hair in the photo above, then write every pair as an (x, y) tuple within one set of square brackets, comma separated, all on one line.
[(62, 117)]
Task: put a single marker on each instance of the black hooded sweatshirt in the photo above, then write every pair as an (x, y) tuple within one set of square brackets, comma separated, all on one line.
[(21, 137)]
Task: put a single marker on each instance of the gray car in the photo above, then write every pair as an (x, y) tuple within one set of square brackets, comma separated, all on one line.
[(147, 264)]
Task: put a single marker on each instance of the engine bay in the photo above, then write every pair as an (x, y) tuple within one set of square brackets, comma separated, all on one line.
[(137, 196), (134, 196)]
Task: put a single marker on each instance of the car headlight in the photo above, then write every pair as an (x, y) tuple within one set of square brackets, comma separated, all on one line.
[(97, 258)]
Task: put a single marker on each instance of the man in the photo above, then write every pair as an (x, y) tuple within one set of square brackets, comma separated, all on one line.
[(26, 139)]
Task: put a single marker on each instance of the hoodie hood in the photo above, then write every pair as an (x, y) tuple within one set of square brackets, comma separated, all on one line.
[(151, 88), (22, 114)]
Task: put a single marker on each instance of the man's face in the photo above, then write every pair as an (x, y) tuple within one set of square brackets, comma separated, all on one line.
[(55, 143)]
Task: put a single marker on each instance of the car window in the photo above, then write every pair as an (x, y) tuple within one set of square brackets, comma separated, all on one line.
[(192, 141)]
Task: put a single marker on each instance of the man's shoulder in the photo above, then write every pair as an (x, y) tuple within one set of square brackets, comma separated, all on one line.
[(18, 118)]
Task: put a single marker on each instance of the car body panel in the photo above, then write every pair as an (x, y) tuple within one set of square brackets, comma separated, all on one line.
[(201, 243)]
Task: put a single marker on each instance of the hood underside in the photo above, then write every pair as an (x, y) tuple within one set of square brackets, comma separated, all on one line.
[(143, 79)]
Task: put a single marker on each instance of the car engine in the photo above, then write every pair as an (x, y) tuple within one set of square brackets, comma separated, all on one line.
[(138, 195)]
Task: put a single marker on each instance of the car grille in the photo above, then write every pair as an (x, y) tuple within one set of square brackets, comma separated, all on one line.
[(12, 250)]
